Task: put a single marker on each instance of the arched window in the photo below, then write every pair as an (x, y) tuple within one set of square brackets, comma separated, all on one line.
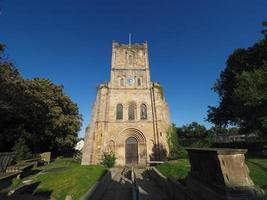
[(121, 82), (131, 112), (130, 59), (139, 81), (143, 112), (119, 112)]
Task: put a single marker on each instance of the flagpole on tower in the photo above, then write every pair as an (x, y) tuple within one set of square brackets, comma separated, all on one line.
[(130, 39)]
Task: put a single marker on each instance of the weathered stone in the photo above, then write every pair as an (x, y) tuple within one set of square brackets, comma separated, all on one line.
[(68, 197), (129, 85), (220, 174)]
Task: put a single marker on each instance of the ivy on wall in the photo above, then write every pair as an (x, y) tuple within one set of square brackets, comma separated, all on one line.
[(159, 87)]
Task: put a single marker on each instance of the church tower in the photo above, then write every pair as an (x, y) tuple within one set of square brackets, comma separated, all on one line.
[(130, 116)]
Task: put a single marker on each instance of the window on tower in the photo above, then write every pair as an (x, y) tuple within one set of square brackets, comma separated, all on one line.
[(131, 112), (119, 112), (121, 82), (130, 59), (139, 81), (143, 112)]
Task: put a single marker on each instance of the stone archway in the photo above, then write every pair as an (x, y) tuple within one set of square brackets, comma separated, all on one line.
[(139, 151)]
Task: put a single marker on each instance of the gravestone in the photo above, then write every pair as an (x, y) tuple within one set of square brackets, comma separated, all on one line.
[(5, 159), (220, 174)]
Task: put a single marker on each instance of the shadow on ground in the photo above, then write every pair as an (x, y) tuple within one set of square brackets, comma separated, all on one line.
[(26, 192)]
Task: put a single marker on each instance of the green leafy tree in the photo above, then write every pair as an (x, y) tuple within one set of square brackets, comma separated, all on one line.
[(56, 118), (36, 110), (193, 130), (12, 102), (217, 130), (172, 138), (242, 88), (175, 149)]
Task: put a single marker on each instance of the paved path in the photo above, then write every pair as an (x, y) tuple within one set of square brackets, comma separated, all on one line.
[(121, 186), (148, 189)]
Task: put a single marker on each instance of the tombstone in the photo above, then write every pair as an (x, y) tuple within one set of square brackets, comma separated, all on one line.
[(6, 159), (220, 174), (46, 157)]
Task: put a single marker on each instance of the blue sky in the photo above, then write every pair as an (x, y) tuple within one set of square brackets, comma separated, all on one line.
[(69, 42)]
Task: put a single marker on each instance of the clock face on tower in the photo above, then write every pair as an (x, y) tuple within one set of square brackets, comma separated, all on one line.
[(130, 81)]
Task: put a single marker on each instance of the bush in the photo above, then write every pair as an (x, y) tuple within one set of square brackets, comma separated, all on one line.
[(172, 139), (21, 150), (197, 142), (108, 159), (176, 150), (200, 144), (15, 183), (177, 153)]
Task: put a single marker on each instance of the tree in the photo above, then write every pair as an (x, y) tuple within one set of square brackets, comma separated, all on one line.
[(56, 118), (193, 130), (218, 131), (36, 111), (21, 150), (242, 88), (12, 101), (172, 139), (175, 149)]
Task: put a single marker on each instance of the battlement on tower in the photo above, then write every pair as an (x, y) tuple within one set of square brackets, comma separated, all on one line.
[(129, 55), (129, 46)]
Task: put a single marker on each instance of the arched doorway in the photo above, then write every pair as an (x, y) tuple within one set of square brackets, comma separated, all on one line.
[(131, 151), (140, 148)]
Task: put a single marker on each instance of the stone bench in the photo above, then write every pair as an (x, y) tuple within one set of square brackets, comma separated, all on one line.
[(20, 167), (6, 159), (40, 158), (32, 160)]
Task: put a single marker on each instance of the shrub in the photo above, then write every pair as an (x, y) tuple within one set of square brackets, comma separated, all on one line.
[(200, 144), (108, 159), (172, 139), (21, 150), (159, 152), (177, 153), (15, 183)]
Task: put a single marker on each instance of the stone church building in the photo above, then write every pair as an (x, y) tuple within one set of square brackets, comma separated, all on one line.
[(130, 116)]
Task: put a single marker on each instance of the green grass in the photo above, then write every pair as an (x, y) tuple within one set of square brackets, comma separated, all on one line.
[(180, 168), (15, 183), (258, 172), (175, 168), (67, 177)]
